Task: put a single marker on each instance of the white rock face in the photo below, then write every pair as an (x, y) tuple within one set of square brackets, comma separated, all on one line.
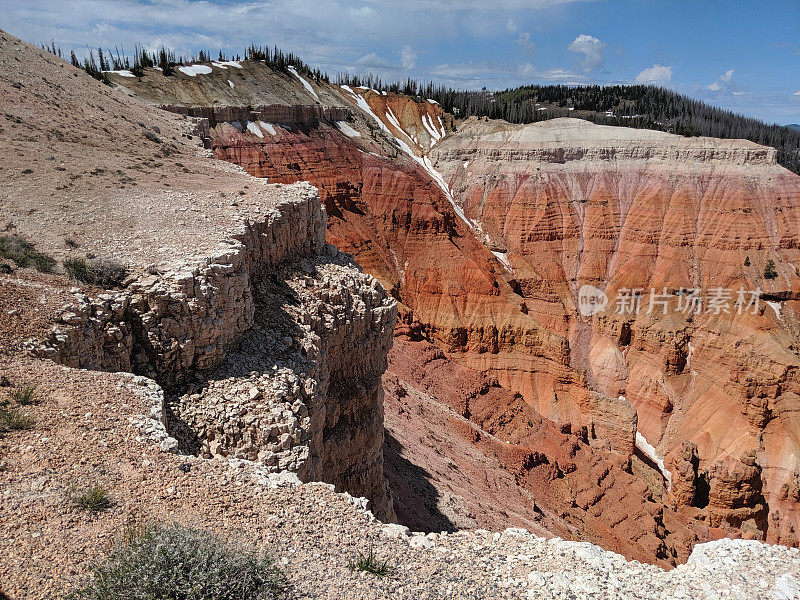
[(567, 140)]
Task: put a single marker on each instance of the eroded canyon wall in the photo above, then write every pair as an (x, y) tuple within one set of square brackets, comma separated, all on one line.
[(573, 204), (485, 232)]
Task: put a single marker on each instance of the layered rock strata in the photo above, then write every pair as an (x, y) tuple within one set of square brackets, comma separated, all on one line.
[(570, 204)]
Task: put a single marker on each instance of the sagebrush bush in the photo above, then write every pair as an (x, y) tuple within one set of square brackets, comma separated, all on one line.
[(12, 419), (24, 253), (173, 562), (25, 395), (95, 271), (94, 498)]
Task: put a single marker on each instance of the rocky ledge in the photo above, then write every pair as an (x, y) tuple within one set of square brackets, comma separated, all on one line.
[(271, 350)]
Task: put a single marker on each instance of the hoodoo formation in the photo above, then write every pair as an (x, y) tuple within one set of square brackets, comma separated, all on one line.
[(582, 336)]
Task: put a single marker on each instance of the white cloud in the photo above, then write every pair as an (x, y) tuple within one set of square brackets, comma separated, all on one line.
[(657, 74), (592, 50), (724, 82), (372, 60), (511, 25), (408, 57), (525, 42)]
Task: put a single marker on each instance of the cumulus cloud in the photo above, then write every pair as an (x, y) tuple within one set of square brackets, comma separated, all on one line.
[(372, 60), (408, 58), (511, 25), (724, 82), (525, 42), (657, 75), (592, 50)]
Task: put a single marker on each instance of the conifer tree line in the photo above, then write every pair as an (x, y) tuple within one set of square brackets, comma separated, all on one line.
[(638, 106), (165, 59)]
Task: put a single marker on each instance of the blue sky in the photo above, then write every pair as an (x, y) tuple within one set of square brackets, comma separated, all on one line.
[(744, 56)]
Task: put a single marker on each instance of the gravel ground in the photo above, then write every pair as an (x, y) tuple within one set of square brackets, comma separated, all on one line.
[(86, 432)]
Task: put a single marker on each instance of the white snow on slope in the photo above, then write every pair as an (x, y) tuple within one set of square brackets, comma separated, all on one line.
[(427, 122), (304, 82), (503, 258), (224, 64), (776, 306), (650, 452), (347, 130), (193, 70), (432, 101), (424, 161), (268, 127), (254, 129), (122, 73), (393, 120), (230, 83)]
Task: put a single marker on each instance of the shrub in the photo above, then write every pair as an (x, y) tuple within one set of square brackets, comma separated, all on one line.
[(746, 261), (94, 499), (369, 563), (95, 271), (168, 562), (25, 395), (23, 252), (13, 420), (769, 270)]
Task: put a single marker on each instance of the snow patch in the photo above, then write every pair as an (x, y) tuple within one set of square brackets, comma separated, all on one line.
[(345, 128), (393, 120), (776, 306), (432, 101), (255, 129), (503, 258), (650, 452), (268, 127), (230, 83), (303, 81), (427, 122), (194, 70), (224, 64), (122, 73)]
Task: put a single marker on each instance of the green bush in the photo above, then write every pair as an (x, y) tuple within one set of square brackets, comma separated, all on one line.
[(95, 271), (25, 395), (173, 562), (94, 499), (369, 563), (24, 253), (769, 270), (12, 420)]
